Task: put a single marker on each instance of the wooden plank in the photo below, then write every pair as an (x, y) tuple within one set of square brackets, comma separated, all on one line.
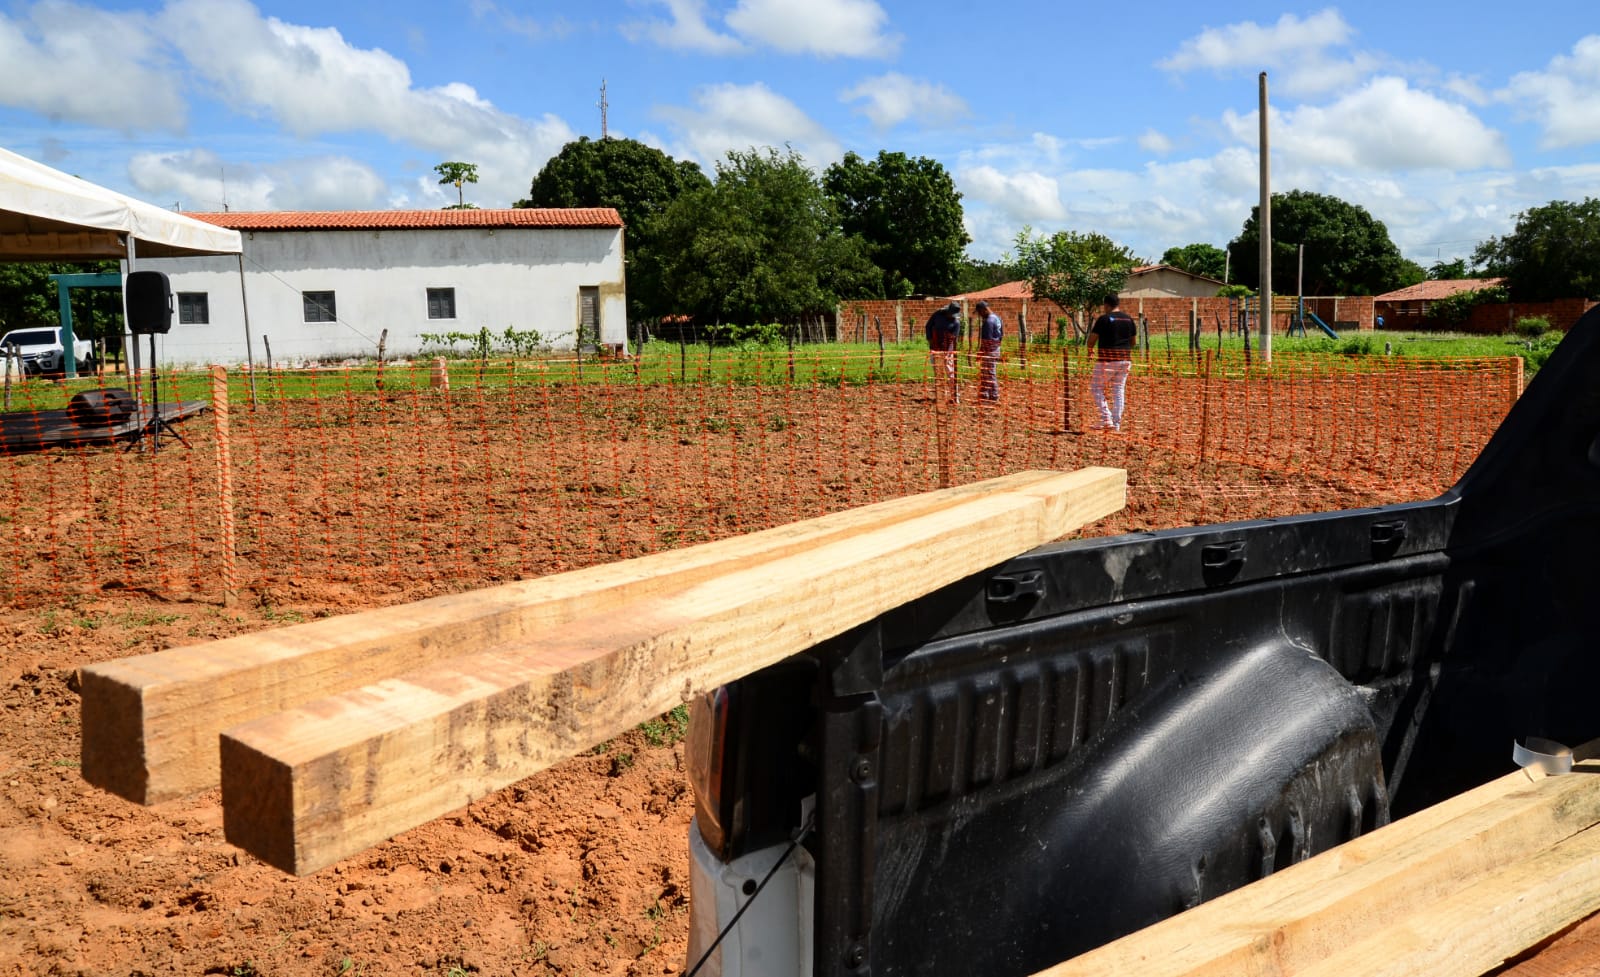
[(308, 786), (1308, 911), (150, 723), (1484, 924)]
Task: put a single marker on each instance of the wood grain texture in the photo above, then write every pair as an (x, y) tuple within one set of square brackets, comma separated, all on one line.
[(150, 723), (1292, 920), (307, 786)]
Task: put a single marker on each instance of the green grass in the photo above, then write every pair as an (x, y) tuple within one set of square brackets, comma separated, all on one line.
[(825, 365)]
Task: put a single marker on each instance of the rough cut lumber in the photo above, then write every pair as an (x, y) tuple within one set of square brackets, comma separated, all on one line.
[(151, 722), (305, 787), (1485, 924), (1292, 920)]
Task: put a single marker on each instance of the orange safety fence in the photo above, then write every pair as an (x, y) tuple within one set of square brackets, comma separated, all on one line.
[(381, 486)]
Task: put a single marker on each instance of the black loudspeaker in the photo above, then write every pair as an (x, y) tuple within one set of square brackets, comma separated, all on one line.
[(149, 299), (100, 408)]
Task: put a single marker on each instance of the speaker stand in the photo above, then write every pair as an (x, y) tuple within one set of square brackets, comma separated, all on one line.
[(153, 427)]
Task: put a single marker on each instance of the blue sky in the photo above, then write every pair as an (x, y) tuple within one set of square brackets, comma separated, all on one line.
[(1139, 121)]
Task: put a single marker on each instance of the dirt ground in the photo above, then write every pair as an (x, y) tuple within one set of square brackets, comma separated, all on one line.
[(580, 870)]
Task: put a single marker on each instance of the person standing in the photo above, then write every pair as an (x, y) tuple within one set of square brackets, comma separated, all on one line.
[(942, 329), (990, 329), (1111, 343)]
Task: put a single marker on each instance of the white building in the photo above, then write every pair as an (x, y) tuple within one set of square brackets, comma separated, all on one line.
[(324, 286)]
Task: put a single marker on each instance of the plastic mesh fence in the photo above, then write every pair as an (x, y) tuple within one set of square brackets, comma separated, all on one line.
[(377, 486)]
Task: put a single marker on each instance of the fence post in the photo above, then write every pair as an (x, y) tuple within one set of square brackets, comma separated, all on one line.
[(219, 414), (440, 377), (1205, 405), (1066, 389)]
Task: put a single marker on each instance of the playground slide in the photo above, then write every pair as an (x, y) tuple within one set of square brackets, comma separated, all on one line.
[(1321, 325)]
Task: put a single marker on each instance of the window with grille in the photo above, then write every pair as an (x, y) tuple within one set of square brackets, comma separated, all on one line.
[(319, 306), (193, 307), (441, 303)]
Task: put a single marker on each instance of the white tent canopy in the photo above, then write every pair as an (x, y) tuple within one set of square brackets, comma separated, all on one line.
[(46, 215)]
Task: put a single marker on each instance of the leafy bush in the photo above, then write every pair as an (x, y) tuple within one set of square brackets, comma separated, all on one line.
[(1532, 326), (483, 343), (1452, 310), (1235, 292)]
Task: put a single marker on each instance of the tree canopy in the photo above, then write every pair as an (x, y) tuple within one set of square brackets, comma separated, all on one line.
[(908, 212), (760, 245), (1199, 259), (1347, 250), (1553, 253), (641, 183), (458, 175), (1075, 271)]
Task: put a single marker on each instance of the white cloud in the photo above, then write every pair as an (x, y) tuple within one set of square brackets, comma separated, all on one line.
[(1299, 47), (686, 31), (1565, 97), (200, 181), (1028, 197), (893, 98), (1386, 124), (1152, 141), (848, 28), (557, 28), (738, 117), (89, 66), (313, 82), (1248, 44)]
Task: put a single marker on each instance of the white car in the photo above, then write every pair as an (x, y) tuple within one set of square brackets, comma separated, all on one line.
[(42, 351)]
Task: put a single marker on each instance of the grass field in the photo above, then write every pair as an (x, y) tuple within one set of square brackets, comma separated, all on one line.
[(827, 364)]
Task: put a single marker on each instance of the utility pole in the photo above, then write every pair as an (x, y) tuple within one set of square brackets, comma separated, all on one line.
[(602, 109), (1266, 232)]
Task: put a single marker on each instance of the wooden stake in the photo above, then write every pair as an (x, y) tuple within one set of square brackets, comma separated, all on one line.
[(308, 786), (219, 414)]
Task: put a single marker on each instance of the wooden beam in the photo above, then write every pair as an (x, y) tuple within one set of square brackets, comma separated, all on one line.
[(150, 723), (1483, 925), (305, 787), (1309, 911)]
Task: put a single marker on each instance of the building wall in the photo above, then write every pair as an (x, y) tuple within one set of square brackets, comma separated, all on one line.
[(1167, 283), (521, 278), (1491, 318)]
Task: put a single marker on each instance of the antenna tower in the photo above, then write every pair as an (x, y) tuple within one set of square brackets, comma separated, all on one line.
[(602, 108)]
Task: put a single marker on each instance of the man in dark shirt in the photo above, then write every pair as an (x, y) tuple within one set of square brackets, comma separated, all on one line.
[(990, 331), (942, 329), (1111, 344)]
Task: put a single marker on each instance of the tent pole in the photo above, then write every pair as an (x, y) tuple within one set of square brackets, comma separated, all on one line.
[(249, 345)]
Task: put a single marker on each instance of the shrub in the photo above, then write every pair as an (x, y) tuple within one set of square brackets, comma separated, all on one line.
[(1532, 326)]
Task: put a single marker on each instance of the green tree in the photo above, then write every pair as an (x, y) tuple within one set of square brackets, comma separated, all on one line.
[(976, 275), (1098, 251), (641, 183), (458, 175), (1347, 251), (1447, 271), (1553, 253), (1199, 259), (1060, 267), (908, 211), (760, 245)]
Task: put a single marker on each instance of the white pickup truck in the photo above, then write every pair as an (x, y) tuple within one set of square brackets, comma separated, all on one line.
[(42, 350)]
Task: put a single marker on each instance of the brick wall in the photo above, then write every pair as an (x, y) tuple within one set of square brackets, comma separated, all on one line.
[(1501, 317), (1165, 314)]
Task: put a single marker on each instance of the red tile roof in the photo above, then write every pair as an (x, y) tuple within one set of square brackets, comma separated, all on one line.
[(1430, 291), (409, 220)]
